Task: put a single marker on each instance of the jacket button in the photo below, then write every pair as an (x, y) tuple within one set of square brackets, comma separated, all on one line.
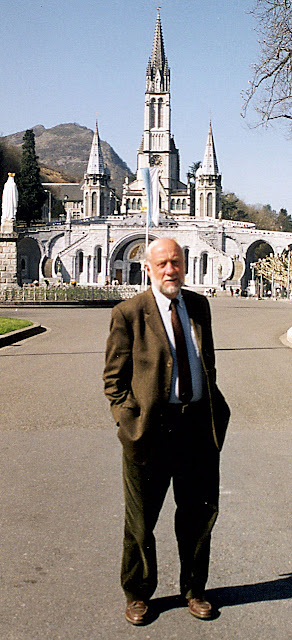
[(169, 363)]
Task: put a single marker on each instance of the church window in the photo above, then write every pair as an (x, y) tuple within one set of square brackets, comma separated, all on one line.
[(172, 204), (184, 204), (209, 204), (160, 113), (134, 204), (80, 261), (101, 211), (204, 263), (98, 260), (152, 114), (86, 205), (202, 205), (139, 204), (178, 205), (94, 204), (128, 204)]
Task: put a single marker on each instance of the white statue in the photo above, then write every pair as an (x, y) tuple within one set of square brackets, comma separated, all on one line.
[(9, 199)]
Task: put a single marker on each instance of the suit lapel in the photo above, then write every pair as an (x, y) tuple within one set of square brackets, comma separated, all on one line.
[(154, 320), (197, 326)]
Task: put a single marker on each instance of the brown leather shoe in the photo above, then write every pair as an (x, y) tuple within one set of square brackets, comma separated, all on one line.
[(136, 612), (200, 608)]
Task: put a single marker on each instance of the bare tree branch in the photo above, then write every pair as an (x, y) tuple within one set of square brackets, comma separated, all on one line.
[(270, 90)]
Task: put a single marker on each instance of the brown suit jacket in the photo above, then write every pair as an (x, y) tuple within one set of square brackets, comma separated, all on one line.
[(137, 374)]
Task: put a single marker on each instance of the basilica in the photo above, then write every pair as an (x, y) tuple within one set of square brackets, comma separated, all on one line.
[(103, 238)]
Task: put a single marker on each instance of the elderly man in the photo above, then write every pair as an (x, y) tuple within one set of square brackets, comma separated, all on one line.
[(160, 379)]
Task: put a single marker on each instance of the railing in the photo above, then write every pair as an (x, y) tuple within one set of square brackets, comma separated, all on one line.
[(65, 293)]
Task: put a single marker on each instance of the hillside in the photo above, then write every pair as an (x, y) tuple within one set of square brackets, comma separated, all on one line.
[(65, 149)]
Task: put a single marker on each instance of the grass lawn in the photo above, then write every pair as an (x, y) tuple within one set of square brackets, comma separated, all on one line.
[(11, 324)]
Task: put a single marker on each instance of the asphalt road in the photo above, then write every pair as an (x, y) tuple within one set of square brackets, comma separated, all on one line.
[(61, 497)]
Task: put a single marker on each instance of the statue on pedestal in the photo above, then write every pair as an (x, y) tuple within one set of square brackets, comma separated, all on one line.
[(9, 204)]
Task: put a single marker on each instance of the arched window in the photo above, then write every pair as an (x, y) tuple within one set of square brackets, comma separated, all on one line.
[(204, 263), (139, 204), (101, 211), (134, 204), (80, 261), (184, 204), (128, 204), (202, 205), (160, 113), (96, 263), (178, 205), (186, 252), (209, 204), (86, 205), (94, 204), (152, 114), (98, 259), (172, 204)]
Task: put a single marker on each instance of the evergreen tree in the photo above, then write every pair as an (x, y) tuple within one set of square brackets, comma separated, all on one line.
[(31, 193), (284, 221)]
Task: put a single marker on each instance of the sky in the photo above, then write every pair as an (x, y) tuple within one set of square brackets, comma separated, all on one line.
[(75, 60)]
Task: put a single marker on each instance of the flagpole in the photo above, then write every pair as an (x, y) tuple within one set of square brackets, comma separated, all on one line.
[(150, 178)]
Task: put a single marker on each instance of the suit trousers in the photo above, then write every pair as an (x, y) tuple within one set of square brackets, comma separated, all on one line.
[(185, 454)]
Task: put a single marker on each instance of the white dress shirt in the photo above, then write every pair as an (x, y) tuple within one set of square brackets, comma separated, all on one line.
[(163, 304)]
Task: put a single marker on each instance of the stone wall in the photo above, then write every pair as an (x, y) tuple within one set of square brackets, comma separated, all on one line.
[(8, 259)]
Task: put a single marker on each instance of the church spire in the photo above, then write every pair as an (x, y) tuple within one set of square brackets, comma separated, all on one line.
[(210, 165), (158, 58), (157, 74), (95, 164)]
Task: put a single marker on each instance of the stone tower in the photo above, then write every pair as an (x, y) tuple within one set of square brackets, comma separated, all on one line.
[(208, 183), (96, 189), (157, 146)]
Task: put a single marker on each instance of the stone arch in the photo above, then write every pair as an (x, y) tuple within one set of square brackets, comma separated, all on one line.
[(29, 259), (127, 259), (257, 249)]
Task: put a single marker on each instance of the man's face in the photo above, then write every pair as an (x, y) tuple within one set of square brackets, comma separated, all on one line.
[(165, 267)]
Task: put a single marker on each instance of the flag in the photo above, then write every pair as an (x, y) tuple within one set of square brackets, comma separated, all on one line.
[(151, 184)]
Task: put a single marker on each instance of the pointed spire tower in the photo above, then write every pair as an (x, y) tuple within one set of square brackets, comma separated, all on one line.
[(158, 147), (208, 188), (210, 165), (95, 165), (96, 189), (158, 74)]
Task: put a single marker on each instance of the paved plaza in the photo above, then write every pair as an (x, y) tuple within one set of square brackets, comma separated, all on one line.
[(61, 495)]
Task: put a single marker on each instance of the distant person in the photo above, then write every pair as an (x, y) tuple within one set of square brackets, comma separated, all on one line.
[(160, 379)]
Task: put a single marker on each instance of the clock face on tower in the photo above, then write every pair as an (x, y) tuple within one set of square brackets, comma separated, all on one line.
[(155, 161)]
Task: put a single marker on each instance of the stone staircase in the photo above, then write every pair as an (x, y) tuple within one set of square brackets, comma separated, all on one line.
[(238, 271)]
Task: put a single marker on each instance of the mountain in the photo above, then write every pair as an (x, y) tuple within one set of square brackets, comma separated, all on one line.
[(63, 151)]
